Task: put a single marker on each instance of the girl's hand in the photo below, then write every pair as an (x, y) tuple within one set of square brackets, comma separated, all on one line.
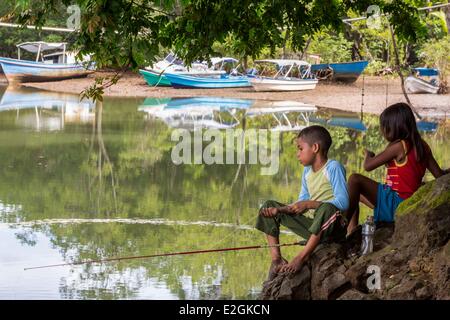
[(268, 212), (369, 154)]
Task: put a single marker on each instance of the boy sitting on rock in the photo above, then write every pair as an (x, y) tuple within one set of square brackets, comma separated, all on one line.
[(316, 216)]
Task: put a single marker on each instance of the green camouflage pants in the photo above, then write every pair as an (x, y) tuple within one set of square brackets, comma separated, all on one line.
[(327, 220)]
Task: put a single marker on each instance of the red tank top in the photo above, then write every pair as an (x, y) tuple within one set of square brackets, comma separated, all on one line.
[(405, 178)]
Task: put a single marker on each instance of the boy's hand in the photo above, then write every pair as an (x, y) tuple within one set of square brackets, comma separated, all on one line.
[(268, 212), (298, 207)]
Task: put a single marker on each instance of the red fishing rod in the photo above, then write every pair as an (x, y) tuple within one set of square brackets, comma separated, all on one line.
[(168, 254)]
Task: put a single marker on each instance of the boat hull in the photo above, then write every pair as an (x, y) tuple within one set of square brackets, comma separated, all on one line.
[(265, 84), (415, 85), (345, 72), (18, 71), (155, 79), (185, 81)]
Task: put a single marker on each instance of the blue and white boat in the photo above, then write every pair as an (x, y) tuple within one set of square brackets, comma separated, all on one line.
[(156, 75), (345, 71), (55, 66), (225, 81)]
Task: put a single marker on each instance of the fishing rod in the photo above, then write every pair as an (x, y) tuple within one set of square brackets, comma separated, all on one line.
[(301, 243)]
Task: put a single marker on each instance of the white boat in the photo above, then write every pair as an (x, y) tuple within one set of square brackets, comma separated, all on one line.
[(290, 75), (417, 85), (425, 80), (51, 67)]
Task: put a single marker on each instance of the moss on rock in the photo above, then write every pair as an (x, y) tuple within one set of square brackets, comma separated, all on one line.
[(432, 195)]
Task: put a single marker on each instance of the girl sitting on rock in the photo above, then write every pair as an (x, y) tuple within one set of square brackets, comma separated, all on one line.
[(406, 157)]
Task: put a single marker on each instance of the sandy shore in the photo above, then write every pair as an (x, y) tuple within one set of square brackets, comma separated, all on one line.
[(332, 95)]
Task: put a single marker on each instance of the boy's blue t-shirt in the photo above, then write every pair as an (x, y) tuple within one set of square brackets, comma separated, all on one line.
[(328, 184)]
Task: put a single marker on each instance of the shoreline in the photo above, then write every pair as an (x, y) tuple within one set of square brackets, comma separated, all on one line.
[(333, 95)]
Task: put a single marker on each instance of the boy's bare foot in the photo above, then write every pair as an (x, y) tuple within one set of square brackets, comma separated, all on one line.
[(292, 267)]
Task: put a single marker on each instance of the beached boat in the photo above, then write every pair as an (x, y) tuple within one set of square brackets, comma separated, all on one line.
[(154, 78), (192, 82), (43, 68), (290, 75), (156, 75), (345, 71), (415, 84)]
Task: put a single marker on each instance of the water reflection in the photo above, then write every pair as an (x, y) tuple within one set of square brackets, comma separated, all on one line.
[(195, 113), (103, 185), (45, 110)]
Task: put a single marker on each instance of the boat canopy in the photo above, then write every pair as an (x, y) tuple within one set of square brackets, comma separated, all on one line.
[(284, 62), (427, 71), (216, 60), (40, 46)]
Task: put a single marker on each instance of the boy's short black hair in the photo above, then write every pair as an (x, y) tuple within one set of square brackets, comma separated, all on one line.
[(317, 134)]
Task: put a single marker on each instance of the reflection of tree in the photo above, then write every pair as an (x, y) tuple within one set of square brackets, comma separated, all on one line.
[(101, 158), (27, 237), (235, 273), (151, 186)]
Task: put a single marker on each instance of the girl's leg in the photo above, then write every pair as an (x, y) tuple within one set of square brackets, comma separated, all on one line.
[(364, 200), (359, 185)]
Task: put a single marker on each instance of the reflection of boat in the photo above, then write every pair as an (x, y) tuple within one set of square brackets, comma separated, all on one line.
[(60, 108), (279, 111), (195, 113), (222, 103), (51, 67), (414, 84), (290, 75), (426, 126), (349, 122), (345, 71)]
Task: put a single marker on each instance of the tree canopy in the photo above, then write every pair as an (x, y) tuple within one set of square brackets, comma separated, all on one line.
[(132, 32)]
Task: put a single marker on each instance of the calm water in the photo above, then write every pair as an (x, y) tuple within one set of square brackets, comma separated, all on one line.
[(79, 181)]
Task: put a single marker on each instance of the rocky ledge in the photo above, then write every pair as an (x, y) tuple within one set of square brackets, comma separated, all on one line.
[(412, 257)]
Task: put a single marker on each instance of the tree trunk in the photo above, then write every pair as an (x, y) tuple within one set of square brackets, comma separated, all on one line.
[(447, 18), (286, 37), (397, 60), (245, 62), (305, 49)]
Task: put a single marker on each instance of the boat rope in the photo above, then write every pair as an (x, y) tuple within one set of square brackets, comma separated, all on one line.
[(362, 97), (387, 91), (167, 254)]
